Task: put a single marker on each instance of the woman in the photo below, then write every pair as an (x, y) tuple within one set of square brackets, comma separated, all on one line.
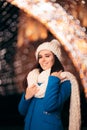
[(49, 86)]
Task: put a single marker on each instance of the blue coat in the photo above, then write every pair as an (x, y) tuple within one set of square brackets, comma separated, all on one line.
[(45, 113)]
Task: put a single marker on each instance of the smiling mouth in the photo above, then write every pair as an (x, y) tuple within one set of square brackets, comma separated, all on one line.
[(45, 64)]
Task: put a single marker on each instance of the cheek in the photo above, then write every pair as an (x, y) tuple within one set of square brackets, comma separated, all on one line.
[(40, 62), (51, 62)]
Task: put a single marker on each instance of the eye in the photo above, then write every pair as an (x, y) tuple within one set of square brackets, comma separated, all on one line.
[(39, 57), (47, 56)]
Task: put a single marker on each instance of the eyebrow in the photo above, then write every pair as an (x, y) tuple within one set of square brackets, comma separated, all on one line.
[(45, 54)]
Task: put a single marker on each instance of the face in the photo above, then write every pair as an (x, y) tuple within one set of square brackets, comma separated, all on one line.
[(46, 59)]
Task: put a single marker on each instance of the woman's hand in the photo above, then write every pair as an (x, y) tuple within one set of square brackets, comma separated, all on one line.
[(31, 91), (58, 74)]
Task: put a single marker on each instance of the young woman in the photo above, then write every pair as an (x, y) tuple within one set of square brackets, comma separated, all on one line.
[(49, 86)]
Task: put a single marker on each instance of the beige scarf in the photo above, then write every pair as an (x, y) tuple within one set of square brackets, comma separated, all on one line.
[(75, 117), (34, 77)]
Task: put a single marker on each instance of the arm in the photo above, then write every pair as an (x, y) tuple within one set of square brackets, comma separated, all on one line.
[(56, 94), (26, 98), (23, 105)]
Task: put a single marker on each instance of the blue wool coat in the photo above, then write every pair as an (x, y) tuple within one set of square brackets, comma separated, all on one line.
[(45, 113)]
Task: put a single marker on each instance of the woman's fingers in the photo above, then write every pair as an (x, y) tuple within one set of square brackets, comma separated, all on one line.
[(31, 91), (59, 75)]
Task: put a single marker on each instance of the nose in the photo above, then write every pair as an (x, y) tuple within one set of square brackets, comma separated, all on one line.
[(43, 59)]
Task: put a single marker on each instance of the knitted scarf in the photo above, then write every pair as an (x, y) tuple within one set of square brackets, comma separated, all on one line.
[(35, 77)]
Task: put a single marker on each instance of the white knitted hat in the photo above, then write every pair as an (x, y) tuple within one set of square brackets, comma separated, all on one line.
[(53, 46)]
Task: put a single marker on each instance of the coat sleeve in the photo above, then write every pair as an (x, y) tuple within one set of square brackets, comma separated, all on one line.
[(56, 94), (23, 105)]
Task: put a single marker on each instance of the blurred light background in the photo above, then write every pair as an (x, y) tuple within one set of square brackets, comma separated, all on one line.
[(17, 57)]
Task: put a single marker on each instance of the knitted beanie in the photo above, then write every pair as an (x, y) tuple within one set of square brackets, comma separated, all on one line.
[(53, 46)]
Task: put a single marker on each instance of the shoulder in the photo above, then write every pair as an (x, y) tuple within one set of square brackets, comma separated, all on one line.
[(68, 75), (71, 77)]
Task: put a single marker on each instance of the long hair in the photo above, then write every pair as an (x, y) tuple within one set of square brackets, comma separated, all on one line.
[(25, 84), (56, 67)]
